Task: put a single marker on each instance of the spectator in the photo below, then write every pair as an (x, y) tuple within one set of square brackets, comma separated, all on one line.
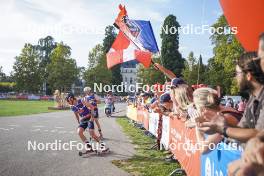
[(183, 100), (166, 103), (250, 78), (242, 105), (229, 103), (252, 161), (207, 102), (174, 84)]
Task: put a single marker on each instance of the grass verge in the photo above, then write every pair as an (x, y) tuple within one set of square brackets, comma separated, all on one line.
[(24, 107), (145, 162)]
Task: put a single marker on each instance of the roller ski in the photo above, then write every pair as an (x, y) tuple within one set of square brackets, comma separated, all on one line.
[(95, 148)]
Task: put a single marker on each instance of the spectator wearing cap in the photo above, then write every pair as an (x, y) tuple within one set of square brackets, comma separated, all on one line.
[(182, 98), (166, 104), (174, 84), (207, 105), (154, 102)]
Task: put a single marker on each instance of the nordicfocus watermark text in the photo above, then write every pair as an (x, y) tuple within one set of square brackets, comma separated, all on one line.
[(188, 29), (198, 30), (199, 146), (124, 87), (58, 145)]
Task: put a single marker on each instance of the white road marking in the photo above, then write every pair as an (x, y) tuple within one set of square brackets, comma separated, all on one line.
[(38, 126), (35, 130), (46, 130), (61, 132), (13, 125), (59, 127), (5, 129), (53, 131), (11, 128)]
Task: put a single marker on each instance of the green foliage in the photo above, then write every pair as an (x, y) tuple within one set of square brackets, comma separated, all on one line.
[(98, 74), (94, 56), (192, 68), (171, 57), (27, 70), (110, 35), (150, 76), (97, 71), (2, 74), (62, 68), (45, 47), (7, 86), (227, 49)]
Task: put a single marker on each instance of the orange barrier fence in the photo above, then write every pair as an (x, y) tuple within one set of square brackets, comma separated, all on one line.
[(181, 141)]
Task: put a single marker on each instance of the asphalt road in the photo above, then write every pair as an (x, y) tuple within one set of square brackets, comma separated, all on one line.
[(17, 133)]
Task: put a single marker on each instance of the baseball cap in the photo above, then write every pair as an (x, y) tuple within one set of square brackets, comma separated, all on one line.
[(177, 81), (164, 98)]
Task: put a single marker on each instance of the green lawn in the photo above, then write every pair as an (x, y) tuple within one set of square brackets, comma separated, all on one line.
[(145, 162), (23, 107)]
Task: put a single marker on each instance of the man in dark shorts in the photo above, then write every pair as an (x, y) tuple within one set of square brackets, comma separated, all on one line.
[(93, 99), (83, 111)]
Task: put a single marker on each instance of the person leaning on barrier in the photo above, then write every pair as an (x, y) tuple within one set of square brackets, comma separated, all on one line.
[(250, 78), (207, 104), (155, 101), (166, 104), (175, 82), (182, 99)]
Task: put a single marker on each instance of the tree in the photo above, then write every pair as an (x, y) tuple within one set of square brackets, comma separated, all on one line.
[(27, 72), (45, 47), (195, 71), (94, 56), (110, 36), (97, 72), (150, 76), (2, 74), (171, 57), (62, 69), (201, 69), (227, 49)]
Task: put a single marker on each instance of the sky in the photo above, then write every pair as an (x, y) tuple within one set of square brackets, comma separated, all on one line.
[(81, 23)]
